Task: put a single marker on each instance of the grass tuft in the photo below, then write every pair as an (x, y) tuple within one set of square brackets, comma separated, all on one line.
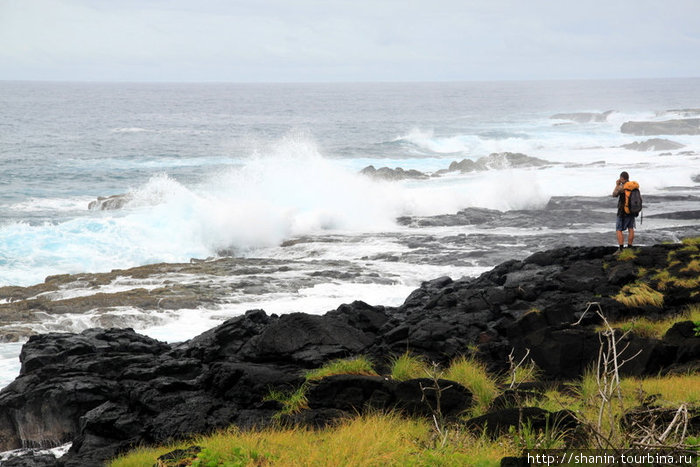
[(472, 374), (627, 254), (292, 401), (695, 241), (656, 329), (350, 366), (639, 294), (408, 366)]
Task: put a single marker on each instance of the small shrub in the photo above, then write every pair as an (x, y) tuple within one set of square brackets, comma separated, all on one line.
[(350, 366), (639, 294), (408, 366), (472, 374)]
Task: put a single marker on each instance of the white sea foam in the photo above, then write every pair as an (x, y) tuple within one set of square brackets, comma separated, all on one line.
[(131, 130), (51, 204), (291, 190)]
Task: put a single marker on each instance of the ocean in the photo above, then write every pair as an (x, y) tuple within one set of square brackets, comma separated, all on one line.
[(268, 175)]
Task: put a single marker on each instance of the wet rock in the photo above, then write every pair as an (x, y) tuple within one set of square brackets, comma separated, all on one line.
[(103, 203), (497, 161), (386, 173), (676, 215), (687, 126), (31, 459), (654, 144)]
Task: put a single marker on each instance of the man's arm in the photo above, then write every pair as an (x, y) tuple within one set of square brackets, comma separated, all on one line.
[(619, 186)]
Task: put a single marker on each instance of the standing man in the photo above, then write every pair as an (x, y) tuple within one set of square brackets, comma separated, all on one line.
[(624, 221)]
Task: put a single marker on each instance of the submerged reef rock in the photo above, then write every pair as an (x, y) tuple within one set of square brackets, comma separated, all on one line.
[(107, 391), (583, 117), (687, 126), (654, 144)]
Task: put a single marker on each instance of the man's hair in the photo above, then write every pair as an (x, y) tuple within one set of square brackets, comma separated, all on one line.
[(625, 175)]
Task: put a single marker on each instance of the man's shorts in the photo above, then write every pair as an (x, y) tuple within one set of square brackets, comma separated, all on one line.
[(625, 222)]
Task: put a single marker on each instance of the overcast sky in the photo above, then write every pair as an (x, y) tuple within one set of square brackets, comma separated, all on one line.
[(347, 40)]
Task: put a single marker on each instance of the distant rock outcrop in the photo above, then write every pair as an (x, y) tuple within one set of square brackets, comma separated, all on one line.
[(681, 112), (583, 117), (387, 173), (103, 203), (686, 126), (654, 144), (502, 160)]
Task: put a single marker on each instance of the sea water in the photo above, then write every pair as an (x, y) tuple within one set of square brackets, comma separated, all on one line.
[(238, 169)]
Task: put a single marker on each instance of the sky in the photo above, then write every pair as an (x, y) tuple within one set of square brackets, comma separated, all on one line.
[(347, 40)]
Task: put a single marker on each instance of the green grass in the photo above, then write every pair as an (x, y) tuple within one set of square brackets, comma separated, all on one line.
[(527, 372), (691, 241), (378, 439), (408, 366), (351, 366), (627, 254), (656, 329), (472, 374), (292, 401)]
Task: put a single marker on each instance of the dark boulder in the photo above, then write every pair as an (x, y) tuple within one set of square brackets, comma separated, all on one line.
[(354, 393), (499, 422)]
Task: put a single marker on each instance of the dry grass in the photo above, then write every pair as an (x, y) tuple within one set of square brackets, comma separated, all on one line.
[(672, 390), (656, 329), (367, 440), (639, 294)]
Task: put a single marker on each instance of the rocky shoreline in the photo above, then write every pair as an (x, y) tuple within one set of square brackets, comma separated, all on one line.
[(107, 390)]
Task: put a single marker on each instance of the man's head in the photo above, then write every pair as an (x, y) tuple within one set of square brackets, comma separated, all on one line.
[(625, 176)]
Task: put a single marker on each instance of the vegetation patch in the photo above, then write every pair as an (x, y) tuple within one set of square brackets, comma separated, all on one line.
[(472, 374), (409, 366), (349, 366), (627, 254), (639, 294), (292, 401), (368, 440), (656, 329)]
